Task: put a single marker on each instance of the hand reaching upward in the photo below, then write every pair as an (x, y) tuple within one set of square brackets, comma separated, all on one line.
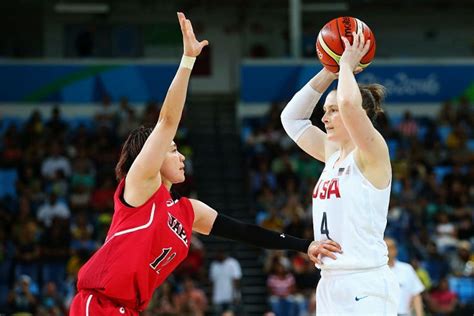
[(191, 46)]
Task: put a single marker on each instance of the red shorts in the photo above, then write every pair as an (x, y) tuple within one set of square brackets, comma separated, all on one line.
[(88, 303)]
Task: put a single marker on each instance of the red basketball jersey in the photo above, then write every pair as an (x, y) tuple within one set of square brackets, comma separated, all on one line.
[(143, 247)]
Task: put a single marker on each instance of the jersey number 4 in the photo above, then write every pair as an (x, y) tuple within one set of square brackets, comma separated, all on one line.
[(163, 259), (324, 226)]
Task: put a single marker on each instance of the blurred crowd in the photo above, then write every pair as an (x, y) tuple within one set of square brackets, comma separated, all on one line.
[(430, 214), (56, 201), (57, 183)]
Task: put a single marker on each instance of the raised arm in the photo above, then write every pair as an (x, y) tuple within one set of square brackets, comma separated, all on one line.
[(143, 175), (372, 150), (296, 117)]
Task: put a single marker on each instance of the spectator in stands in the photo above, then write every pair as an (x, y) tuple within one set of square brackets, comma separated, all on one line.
[(30, 185), (105, 114), (53, 207), (59, 184), (23, 297), (408, 126), (193, 264), (52, 302), (263, 177), (150, 113), (441, 300), (11, 149), (464, 113), (102, 196), (281, 287), (22, 216), (435, 263), (421, 273), (465, 227), (410, 285), (445, 233), (83, 171), (105, 149), (56, 127), (34, 128), (457, 138), (27, 250), (163, 301), (191, 299), (55, 161), (128, 122), (225, 274), (447, 114), (55, 251), (82, 236), (462, 263)]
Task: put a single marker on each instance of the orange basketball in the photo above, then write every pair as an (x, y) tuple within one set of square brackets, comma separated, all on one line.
[(329, 45)]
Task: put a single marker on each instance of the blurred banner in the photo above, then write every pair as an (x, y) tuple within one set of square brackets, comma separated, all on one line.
[(84, 83), (260, 82), (406, 83)]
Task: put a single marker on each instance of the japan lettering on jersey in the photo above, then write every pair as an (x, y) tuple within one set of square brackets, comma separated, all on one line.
[(349, 210), (143, 246)]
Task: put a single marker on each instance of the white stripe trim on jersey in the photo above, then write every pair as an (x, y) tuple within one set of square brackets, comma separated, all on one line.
[(134, 229), (89, 299)]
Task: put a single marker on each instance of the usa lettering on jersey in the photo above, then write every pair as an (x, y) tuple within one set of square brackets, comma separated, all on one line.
[(327, 189), (177, 228)]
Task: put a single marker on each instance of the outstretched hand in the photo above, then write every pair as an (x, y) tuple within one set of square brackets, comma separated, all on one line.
[(354, 53), (318, 249), (191, 46)]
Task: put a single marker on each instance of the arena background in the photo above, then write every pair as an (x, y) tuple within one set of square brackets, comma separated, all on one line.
[(75, 77)]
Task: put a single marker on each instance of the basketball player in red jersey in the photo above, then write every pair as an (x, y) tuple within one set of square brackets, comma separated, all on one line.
[(150, 231)]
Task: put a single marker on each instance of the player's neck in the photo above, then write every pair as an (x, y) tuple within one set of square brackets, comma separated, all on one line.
[(167, 184), (345, 149)]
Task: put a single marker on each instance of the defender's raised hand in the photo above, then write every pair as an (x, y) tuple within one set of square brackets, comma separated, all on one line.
[(191, 46)]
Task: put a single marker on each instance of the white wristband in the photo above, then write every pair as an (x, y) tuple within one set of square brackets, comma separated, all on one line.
[(187, 62)]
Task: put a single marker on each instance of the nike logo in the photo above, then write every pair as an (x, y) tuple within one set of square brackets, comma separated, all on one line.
[(360, 298)]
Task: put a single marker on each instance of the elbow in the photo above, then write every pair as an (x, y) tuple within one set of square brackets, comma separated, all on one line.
[(349, 105), (347, 102)]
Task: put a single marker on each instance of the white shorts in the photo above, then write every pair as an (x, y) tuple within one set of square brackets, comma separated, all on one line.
[(365, 293)]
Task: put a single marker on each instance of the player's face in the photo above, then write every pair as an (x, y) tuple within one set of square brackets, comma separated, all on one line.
[(335, 129), (172, 168)]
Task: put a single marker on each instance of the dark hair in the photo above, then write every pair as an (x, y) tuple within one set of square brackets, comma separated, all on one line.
[(372, 97), (130, 150)]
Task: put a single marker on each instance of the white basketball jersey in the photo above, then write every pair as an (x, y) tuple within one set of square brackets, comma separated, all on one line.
[(348, 209)]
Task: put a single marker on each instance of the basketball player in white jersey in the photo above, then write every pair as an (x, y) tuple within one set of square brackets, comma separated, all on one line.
[(350, 200)]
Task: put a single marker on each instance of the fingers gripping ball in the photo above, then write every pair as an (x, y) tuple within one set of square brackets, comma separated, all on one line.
[(329, 45)]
